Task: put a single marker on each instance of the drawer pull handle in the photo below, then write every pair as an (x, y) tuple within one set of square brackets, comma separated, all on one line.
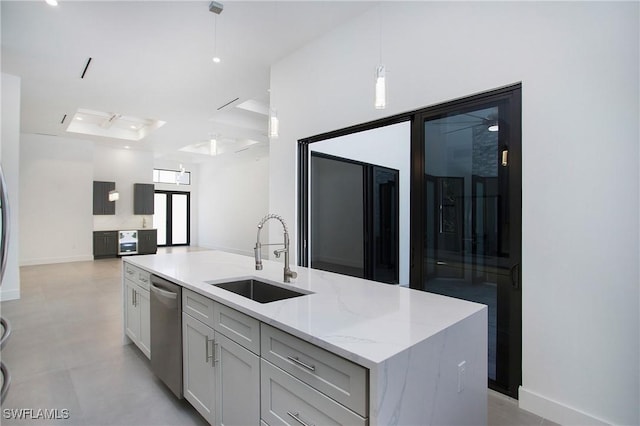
[(302, 364), (129, 271), (296, 417)]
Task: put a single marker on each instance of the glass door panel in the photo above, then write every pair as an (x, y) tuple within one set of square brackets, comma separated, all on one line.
[(160, 217), (337, 216), (171, 217), (179, 216), (471, 201)]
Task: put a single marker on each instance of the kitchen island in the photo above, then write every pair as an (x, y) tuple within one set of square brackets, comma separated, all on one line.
[(424, 355)]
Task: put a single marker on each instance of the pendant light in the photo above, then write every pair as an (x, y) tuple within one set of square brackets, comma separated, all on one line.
[(274, 124), (380, 88)]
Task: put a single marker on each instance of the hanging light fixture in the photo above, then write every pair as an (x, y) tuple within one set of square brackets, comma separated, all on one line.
[(380, 99), (274, 124), (215, 8), (380, 88)]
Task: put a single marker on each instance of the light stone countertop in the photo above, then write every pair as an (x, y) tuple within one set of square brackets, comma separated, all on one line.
[(364, 321)]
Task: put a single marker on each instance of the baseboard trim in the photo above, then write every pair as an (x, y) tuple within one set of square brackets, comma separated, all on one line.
[(51, 260), (9, 295), (554, 410)]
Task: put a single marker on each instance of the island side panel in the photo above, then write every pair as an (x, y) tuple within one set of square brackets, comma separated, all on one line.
[(419, 386)]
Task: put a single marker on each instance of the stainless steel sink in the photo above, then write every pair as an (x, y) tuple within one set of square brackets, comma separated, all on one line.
[(260, 291)]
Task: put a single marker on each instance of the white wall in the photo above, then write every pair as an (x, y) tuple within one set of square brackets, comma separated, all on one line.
[(56, 203), (373, 147), (125, 167), (578, 64), (9, 155), (56, 195), (233, 199)]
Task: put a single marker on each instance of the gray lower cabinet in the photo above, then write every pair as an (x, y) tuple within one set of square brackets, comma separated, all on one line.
[(239, 371), (218, 374), (105, 244), (198, 375), (137, 316), (147, 241), (288, 401)]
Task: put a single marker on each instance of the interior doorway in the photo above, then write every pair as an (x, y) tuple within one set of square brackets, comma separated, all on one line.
[(172, 211)]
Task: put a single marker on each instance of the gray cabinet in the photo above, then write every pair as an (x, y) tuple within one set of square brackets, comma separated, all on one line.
[(101, 203), (147, 241), (218, 369), (105, 244), (143, 198)]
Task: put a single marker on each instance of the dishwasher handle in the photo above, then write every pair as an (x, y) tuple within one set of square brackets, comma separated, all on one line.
[(164, 293)]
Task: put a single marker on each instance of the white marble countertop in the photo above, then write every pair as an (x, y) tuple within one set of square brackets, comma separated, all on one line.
[(364, 321)]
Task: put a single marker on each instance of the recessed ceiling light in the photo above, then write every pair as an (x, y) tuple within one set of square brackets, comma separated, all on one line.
[(127, 147), (52, 2), (216, 59), (79, 118)]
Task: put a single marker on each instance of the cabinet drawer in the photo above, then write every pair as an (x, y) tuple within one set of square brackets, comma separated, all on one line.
[(198, 306), (241, 328), (288, 401), (331, 374), (137, 275)]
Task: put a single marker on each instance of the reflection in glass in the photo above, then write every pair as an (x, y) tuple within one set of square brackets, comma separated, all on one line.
[(466, 222), (354, 218)]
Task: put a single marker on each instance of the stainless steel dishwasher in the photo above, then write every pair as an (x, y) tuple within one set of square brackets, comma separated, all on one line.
[(166, 333)]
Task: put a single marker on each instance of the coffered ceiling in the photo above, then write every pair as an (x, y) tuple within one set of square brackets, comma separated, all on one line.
[(151, 62)]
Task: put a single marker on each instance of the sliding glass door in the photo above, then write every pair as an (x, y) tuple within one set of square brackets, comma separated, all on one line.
[(171, 217), (469, 211)]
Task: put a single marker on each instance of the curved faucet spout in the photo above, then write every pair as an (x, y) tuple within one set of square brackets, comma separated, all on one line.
[(257, 250)]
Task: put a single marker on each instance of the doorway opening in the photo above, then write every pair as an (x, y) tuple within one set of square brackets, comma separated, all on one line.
[(172, 211)]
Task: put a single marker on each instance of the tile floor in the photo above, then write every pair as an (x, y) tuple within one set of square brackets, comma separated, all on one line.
[(66, 352)]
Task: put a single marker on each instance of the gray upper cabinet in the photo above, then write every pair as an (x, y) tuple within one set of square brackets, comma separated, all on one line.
[(101, 203), (143, 198)]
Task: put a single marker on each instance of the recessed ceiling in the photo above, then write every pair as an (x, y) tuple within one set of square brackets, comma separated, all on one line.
[(153, 59), (112, 125)]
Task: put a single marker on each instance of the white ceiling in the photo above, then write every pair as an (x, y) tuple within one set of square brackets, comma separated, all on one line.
[(153, 59)]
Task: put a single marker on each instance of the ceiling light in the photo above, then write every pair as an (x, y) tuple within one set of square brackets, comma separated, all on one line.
[(52, 2), (380, 101), (493, 127), (79, 118), (114, 195), (274, 124), (216, 59)]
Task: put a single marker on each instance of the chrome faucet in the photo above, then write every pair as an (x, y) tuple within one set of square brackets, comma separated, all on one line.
[(288, 273)]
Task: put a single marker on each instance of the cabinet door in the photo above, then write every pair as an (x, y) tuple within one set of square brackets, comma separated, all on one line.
[(143, 198), (131, 313), (237, 379), (197, 366), (147, 241), (288, 401), (144, 310), (101, 203)]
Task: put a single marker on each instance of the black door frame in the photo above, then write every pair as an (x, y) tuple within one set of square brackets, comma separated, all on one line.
[(511, 141), (368, 244), (169, 225), (512, 93)]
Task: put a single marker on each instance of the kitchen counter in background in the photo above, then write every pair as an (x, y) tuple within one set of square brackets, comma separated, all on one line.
[(426, 353)]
